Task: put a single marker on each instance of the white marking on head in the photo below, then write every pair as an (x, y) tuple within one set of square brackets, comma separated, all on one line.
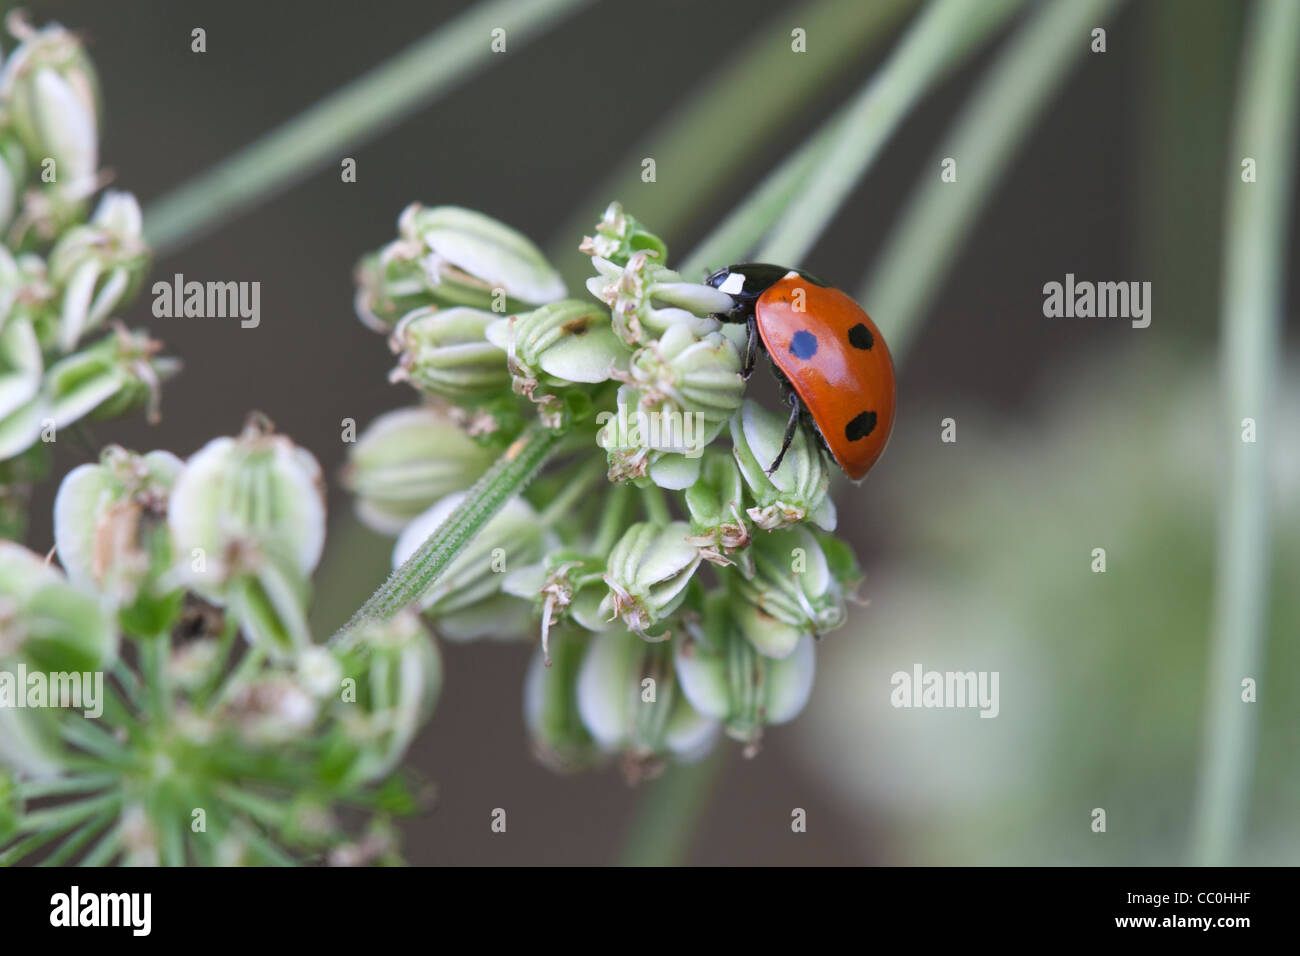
[(733, 284), (792, 274)]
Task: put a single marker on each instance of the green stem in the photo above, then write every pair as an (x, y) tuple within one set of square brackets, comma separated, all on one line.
[(266, 811), (79, 783), (767, 71), (106, 848), (68, 815), (776, 195), (665, 823), (994, 122), (348, 118), (237, 676), (947, 32), (611, 520), (577, 488), (75, 841), (154, 655), (656, 505), (129, 682), (1254, 285), (507, 477), (734, 236)]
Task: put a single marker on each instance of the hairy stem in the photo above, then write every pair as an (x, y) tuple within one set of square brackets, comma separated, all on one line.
[(507, 477)]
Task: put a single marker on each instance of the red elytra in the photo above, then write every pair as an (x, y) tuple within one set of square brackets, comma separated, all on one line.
[(829, 352)]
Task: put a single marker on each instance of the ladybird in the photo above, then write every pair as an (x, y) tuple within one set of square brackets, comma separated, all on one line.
[(830, 358)]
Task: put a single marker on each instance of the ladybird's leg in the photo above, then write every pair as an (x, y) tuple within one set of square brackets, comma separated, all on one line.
[(796, 410), (751, 346)]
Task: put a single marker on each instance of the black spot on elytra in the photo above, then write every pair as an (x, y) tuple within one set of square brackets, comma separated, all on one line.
[(860, 337), (861, 426), (803, 344)]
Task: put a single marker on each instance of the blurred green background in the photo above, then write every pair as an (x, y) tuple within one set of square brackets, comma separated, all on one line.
[(1072, 434)]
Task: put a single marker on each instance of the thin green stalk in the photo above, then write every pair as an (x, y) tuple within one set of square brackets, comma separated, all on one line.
[(993, 124), (655, 504), (766, 71), (946, 33), (105, 850), (129, 682), (666, 820), (236, 678), (347, 118), (28, 845), (262, 809), (507, 477), (611, 519), (94, 740), (67, 815), (734, 236), (577, 488), (54, 786), (154, 654), (1253, 290), (75, 841), (787, 186)]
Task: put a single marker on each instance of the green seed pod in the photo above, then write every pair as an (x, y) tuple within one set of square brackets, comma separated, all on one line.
[(725, 678), (619, 236), (49, 87), (389, 285), (47, 621), (21, 364), (646, 299), (793, 592), (558, 344), (405, 461), (446, 352), (719, 525), (630, 702), (105, 515), (116, 375), (564, 585), (27, 293), (241, 503), (555, 729), (683, 374), (391, 678), (647, 575), (99, 266), (799, 489), (471, 259)]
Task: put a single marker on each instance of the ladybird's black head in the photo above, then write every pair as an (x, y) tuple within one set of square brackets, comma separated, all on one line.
[(746, 281)]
